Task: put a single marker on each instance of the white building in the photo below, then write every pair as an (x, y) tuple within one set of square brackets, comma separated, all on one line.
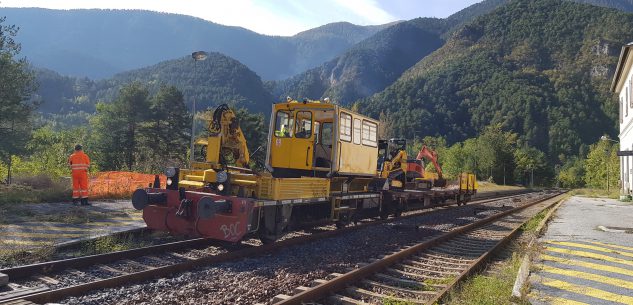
[(623, 85)]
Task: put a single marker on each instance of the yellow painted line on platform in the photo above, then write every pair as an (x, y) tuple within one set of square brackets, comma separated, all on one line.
[(563, 301), (589, 265), (47, 235), (589, 276), (589, 291), (612, 246), (585, 246), (591, 255)]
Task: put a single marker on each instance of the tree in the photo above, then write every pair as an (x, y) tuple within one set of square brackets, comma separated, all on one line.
[(117, 127), (164, 136), (48, 152), (602, 159), (572, 173), (16, 86), (494, 151), (256, 132), (530, 162)]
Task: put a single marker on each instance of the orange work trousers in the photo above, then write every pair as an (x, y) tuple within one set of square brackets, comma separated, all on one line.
[(80, 183)]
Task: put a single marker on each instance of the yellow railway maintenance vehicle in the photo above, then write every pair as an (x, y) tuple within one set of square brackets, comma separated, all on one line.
[(324, 163)]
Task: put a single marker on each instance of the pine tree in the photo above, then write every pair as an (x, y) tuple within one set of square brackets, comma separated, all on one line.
[(16, 86)]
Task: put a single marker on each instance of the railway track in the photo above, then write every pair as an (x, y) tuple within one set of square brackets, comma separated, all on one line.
[(83, 274), (422, 273)]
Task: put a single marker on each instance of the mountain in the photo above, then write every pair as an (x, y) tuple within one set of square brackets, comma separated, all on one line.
[(369, 66), (540, 68), (624, 5), (376, 62), (101, 43), (217, 80)]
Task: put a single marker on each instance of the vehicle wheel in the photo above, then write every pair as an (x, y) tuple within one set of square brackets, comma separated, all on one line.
[(267, 239)]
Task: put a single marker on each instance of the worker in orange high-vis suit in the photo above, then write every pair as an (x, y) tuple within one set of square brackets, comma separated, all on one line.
[(79, 163)]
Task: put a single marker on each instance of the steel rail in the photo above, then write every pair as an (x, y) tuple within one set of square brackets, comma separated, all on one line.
[(323, 290), (155, 272), (25, 271)]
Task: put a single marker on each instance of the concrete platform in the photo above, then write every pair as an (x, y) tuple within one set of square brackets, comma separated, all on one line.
[(50, 224), (587, 255)]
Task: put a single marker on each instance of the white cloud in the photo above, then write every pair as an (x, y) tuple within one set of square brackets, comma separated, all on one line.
[(367, 9), (279, 17)]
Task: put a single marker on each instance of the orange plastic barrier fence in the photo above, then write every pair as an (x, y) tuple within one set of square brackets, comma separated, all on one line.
[(120, 184)]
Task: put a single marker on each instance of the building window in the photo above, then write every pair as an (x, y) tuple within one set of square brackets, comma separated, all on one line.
[(621, 110), (626, 107), (346, 127), (370, 130), (357, 128), (631, 92)]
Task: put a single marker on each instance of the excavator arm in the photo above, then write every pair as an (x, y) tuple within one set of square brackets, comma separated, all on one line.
[(431, 155), (225, 127)]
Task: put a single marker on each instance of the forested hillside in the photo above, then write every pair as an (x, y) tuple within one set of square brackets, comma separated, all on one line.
[(216, 80), (624, 5), (379, 60), (369, 66), (101, 43), (539, 68)]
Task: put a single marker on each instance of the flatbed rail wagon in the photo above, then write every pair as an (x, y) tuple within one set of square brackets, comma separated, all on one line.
[(324, 163)]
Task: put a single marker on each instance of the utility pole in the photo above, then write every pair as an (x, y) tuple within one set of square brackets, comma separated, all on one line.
[(197, 56), (607, 152)]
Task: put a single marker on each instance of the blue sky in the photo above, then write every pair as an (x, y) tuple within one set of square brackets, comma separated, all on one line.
[(272, 17)]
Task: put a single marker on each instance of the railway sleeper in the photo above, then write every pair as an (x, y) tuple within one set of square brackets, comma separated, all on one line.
[(373, 297), (460, 251), (420, 293), (391, 291), (427, 270), (411, 275), (460, 240), (452, 254), (343, 300), (433, 264), (473, 247), (434, 259), (443, 257), (402, 282)]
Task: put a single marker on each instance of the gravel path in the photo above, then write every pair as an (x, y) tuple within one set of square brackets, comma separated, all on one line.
[(259, 279)]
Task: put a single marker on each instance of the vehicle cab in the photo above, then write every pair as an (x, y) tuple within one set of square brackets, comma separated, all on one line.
[(320, 139)]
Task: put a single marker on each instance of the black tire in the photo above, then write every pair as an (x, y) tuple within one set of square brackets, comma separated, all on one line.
[(266, 240)]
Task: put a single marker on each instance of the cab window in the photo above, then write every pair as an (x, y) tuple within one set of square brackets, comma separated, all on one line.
[(346, 127), (303, 129), (326, 134), (317, 130), (283, 124), (369, 133)]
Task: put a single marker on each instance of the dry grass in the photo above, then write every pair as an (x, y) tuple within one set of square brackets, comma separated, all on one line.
[(597, 193), (485, 186), (10, 256), (494, 286)]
